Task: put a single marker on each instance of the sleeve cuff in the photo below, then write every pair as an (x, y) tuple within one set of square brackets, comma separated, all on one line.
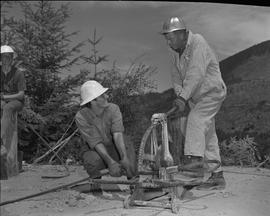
[(181, 98), (184, 95), (92, 146)]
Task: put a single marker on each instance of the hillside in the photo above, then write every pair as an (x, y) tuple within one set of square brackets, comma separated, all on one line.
[(251, 61), (246, 109)]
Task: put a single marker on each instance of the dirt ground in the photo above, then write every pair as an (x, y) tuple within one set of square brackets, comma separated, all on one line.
[(246, 194)]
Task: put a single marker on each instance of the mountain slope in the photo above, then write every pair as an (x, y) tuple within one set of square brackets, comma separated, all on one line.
[(246, 110), (247, 106), (251, 61)]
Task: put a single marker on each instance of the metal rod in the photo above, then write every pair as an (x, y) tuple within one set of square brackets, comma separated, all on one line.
[(166, 205), (102, 172), (43, 192)]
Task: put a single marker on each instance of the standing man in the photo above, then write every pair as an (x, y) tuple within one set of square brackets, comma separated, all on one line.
[(198, 84), (12, 101), (101, 127)]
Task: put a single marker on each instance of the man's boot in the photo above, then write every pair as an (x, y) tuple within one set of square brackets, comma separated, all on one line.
[(215, 182), (193, 166), (3, 164)]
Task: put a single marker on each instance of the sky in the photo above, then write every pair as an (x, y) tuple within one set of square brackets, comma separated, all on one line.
[(131, 29)]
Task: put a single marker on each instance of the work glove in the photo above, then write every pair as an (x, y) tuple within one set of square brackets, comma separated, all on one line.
[(180, 103), (128, 167), (115, 169), (3, 150)]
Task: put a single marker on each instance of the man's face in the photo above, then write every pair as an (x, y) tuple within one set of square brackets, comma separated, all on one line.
[(6, 59), (176, 40), (101, 101)]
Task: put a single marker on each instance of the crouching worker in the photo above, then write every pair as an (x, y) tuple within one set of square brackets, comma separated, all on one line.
[(12, 101), (101, 127)]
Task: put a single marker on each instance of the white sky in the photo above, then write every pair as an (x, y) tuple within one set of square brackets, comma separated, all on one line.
[(131, 29)]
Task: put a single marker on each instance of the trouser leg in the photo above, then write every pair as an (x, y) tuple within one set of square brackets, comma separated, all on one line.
[(8, 112), (9, 135), (212, 148), (195, 137), (200, 129), (131, 153), (93, 163)]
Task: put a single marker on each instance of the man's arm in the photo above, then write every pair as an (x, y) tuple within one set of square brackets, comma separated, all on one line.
[(196, 70), (176, 76), (117, 131), (102, 151), (21, 87), (125, 160), (120, 145), (118, 137), (18, 96), (114, 167)]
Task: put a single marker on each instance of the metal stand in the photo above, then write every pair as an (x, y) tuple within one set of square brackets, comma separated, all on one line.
[(160, 162), (146, 192)]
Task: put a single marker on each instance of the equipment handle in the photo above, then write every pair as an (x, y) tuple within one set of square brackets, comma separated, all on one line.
[(172, 110)]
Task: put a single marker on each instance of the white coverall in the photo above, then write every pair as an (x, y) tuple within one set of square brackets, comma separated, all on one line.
[(196, 77)]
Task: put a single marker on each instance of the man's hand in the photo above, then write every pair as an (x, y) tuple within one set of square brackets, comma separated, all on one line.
[(128, 166), (3, 150), (180, 103), (115, 169), (2, 96)]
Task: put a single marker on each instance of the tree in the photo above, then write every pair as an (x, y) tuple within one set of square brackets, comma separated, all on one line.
[(45, 47), (122, 84), (8, 35), (94, 58)]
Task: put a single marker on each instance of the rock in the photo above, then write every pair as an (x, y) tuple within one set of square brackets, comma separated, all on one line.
[(60, 209), (107, 195), (72, 202), (89, 199)]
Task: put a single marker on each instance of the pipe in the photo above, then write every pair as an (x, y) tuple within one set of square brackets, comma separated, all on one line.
[(43, 192), (155, 183), (102, 172)]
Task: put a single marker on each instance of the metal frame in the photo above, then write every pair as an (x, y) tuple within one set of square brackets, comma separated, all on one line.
[(159, 160)]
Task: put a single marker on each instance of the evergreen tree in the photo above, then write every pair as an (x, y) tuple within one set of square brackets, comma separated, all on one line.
[(94, 58), (45, 47), (8, 35)]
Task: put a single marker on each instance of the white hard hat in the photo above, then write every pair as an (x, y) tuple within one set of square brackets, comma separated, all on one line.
[(6, 49), (173, 24), (91, 90)]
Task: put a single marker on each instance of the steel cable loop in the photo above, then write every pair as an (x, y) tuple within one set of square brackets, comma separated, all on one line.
[(148, 133), (142, 147)]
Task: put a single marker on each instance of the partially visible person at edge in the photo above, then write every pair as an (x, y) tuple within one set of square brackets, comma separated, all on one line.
[(101, 127), (199, 86), (12, 94)]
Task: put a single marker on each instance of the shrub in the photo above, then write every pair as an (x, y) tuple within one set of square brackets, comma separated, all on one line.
[(241, 151)]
